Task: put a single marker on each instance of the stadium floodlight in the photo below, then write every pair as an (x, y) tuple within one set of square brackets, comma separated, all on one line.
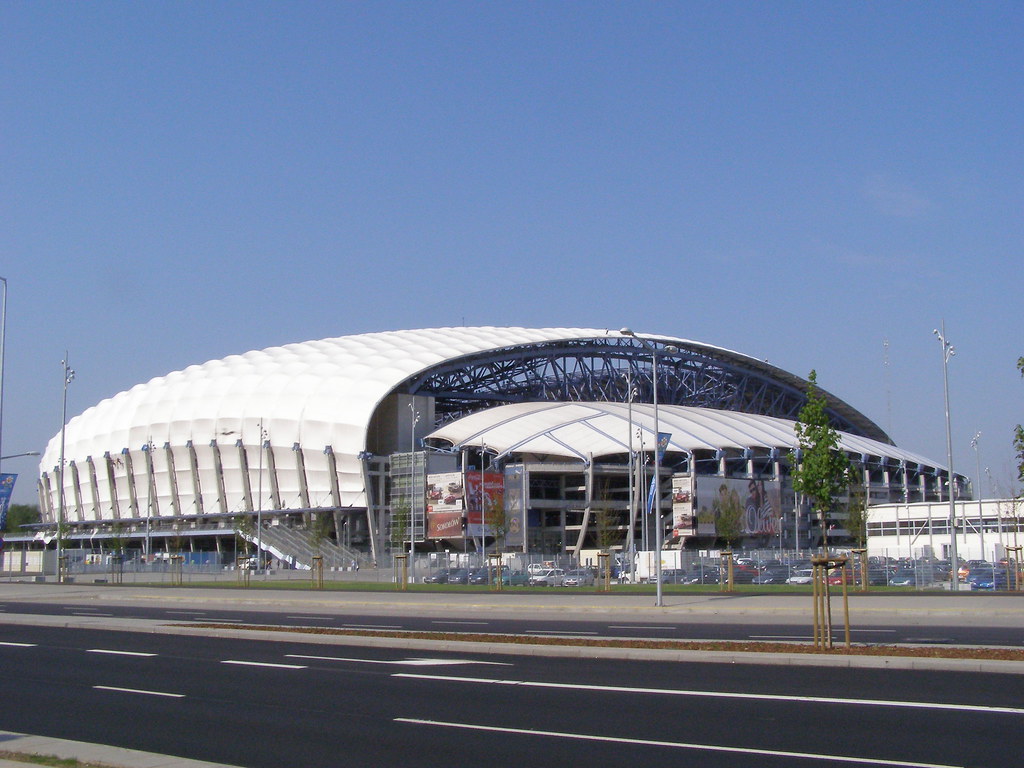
[(947, 352), (658, 526)]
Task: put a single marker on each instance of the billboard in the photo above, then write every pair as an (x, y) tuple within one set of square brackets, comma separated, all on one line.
[(682, 507), (444, 525), (446, 501), (757, 503), (493, 496)]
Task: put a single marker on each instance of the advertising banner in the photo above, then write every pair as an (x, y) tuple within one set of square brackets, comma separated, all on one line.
[(682, 507), (756, 504), (493, 496), (6, 489), (446, 499), (444, 525), (515, 507)]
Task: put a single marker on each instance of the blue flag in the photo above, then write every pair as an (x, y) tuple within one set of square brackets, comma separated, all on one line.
[(663, 438), (6, 489)]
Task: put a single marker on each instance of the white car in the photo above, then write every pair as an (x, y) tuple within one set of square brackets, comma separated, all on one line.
[(802, 576)]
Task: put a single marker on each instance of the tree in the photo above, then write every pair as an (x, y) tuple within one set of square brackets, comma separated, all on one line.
[(728, 511), (400, 515), (857, 510), (19, 515), (821, 472)]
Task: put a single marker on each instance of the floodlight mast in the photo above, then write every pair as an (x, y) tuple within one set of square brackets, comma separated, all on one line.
[(659, 528), (948, 351)]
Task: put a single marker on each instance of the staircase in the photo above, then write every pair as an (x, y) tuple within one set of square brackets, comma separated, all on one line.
[(295, 547)]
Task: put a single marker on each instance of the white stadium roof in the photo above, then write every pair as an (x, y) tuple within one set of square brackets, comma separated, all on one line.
[(581, 430)]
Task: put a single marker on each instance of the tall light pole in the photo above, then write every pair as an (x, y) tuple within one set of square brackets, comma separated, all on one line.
[(947, 352), (148, 448), (632, 492), (659, 528), (981, 511), (3, 345), (259, 501), (415, 419), (69, 376)]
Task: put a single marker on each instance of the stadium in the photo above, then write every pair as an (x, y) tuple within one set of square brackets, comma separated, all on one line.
[(466, 439)]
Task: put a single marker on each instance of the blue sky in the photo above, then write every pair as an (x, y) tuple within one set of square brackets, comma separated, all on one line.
[(798, 181)]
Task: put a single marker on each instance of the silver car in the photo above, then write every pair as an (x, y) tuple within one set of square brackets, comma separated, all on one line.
[(552, 577), (578, 578)]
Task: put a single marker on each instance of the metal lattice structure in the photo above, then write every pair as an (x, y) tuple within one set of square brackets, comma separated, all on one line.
[(598, 369)]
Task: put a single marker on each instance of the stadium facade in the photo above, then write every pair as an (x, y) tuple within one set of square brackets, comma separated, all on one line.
[(457, 439)]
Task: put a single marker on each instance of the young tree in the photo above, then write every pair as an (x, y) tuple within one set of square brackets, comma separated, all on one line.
[(822, 471), (857, 510), (728, 511)]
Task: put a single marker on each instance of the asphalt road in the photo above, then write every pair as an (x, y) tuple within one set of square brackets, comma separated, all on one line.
[(273, 704)]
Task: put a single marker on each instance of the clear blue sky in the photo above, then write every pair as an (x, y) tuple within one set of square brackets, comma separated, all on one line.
[(798, 181)]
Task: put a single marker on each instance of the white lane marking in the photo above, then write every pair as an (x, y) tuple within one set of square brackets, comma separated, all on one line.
[(627, 626), (90, 613), (467, 623), (118, 653), (403, 662), (675, 744), (373, 626), (729, 695), (226, 621), (779, 637), (20, 645), (261, 664), (188, 613), (312, 618), (864, 631), (136, 690), (557, 632)]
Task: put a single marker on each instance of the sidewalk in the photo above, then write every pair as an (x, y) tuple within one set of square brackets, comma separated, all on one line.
[(115, 757)]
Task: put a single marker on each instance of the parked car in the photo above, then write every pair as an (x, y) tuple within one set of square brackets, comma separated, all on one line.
[(772, 575), (458, 576), (801, 576), (703, 576), (580, 577), (480, 576), (997, 578), (437, 577), (514, 578), (673, 576), (905, 577), (878, 576), (552, 577)]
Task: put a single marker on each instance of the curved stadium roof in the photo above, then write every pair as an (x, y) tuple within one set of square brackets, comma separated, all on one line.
[(583, 430), (323, 393)]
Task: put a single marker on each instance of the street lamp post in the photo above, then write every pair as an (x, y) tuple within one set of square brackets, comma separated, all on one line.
[(259, 501), (981, 511), (415, 419), (69, 376), (659, 528), (632, 496), (3, 345), (148, 448), (947, 352)]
